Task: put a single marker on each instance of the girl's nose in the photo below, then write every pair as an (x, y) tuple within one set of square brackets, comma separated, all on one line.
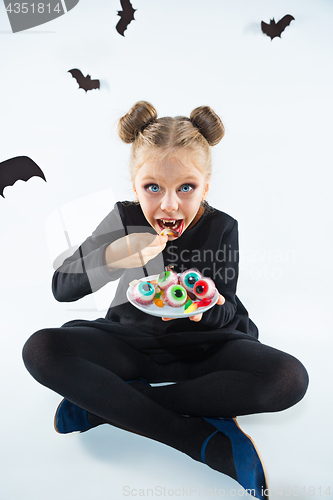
[(169, 203)]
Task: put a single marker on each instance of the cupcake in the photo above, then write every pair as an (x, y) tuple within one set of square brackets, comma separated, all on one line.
[(175, 296), (189, 278), (144, 293), (204, 288), (166, 279)]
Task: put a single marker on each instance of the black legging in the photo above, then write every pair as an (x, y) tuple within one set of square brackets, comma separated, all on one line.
[(90, 367)]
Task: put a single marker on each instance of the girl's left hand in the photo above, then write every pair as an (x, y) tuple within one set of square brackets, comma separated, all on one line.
[(197, 317)]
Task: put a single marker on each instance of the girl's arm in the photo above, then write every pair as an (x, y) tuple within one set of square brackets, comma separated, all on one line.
[(225, 276), (224, 272), (104, 257), (86, 270)]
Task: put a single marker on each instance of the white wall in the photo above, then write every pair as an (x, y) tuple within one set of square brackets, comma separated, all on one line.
[(272, 172)]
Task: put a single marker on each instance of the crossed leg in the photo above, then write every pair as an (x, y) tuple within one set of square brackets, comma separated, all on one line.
[(90, 367)]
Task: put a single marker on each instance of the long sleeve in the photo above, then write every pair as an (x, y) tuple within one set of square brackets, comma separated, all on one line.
[(86, 270), (225, 275), (210, 245)]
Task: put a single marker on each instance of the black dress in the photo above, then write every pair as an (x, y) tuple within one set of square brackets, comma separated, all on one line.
[(211, 246), (218, 366)]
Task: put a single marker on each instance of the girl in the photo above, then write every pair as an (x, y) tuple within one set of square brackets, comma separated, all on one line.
[(219, 369)]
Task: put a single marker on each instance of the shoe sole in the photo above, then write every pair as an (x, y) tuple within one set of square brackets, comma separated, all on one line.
[(55, 417), (259, 456)]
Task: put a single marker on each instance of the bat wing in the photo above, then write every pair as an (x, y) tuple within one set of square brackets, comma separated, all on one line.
[(81, 80), (95, 84), (128, 10), (267, 29), (126, 16), (284, 22), (122, 26), (18, 168), (270, 29)]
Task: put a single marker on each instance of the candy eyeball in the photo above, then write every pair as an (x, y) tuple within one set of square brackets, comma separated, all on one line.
[(144, 293), (189, 278), (204, 288), (175, 296), (166, 279)]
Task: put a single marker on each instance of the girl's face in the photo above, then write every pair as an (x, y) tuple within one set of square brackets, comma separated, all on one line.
[(170, 193)]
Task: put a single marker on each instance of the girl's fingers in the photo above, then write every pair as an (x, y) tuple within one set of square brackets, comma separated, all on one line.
[(220, 300), (197, 317), (152, 251), (159, 240), (156, 247)]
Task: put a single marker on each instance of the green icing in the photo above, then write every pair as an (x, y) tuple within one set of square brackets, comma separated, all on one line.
[(164, 276), (178, 293)]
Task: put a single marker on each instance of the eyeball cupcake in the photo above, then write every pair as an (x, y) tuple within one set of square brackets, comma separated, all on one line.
[(175, 296), (144, 293), (204, 288), (166, 279), (189, 278)]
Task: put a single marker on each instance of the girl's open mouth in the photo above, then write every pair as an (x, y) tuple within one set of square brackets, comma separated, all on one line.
[(176, 225)]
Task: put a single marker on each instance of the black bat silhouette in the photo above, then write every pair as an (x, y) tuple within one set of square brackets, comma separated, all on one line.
[(16, 169), (85, 82), (274, 29), (126, 16)]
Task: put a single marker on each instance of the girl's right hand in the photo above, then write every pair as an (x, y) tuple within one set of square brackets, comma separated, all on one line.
[(134, 250)]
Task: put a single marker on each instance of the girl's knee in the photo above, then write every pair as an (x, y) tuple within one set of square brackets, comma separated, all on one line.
[(37, 352), (293, 381), (301, 378)]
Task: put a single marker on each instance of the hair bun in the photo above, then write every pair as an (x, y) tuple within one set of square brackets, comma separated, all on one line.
[(139, 117), (208, 123)]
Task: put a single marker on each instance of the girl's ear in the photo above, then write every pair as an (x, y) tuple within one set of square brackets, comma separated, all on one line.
[(206, 190)]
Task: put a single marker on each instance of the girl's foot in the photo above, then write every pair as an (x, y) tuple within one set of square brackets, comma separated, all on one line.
[(217, 442), (71, 418), (244, 460)]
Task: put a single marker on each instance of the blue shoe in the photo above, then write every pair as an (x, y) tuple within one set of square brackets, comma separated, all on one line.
[(70, 418), (140, 379), (249, 467)]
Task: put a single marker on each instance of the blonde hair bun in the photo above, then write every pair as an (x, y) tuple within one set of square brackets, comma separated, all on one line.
[(208, 123), (137, 119)]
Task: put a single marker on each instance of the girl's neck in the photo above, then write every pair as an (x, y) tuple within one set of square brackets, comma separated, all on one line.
[(197, 217)]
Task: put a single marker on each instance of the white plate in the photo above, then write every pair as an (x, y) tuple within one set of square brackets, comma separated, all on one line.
[(167, 311)]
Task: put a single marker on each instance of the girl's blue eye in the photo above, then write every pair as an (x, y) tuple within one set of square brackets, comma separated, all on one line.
[(154, 188), (188, 186)]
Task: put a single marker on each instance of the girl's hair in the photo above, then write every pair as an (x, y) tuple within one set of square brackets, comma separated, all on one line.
[(158, 138)]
